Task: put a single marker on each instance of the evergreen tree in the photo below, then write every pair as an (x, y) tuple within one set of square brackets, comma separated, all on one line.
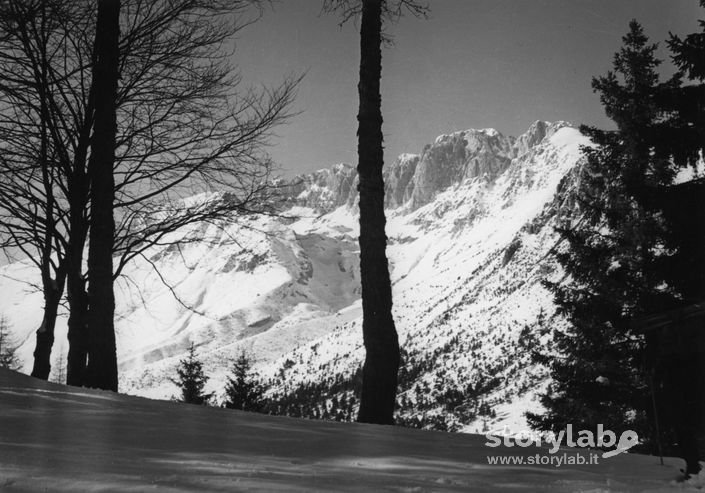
[(634, 247), (686, 103), (243, 390), (59, 369), (612, 258), (8, 350), (191, 379), (678, 360)]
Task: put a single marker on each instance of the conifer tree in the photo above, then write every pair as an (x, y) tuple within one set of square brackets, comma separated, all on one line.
[(243, 390), (59, 369), (678, 361), (686, 103), (8, 350), (635, 247), (192, 379), (611, 258)]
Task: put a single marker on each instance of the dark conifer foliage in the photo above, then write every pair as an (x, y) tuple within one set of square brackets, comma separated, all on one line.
[(684, 130), (192, 379), (689, 52), (243, 390), (679, 361), (634, 248), (611, 256)]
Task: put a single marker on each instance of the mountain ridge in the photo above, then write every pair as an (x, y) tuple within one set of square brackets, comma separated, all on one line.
[(413, 180)]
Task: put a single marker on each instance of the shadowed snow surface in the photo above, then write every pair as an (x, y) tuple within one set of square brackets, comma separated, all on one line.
[(56, 438)]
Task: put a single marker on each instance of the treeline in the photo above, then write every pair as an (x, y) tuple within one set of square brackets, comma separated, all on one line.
[(247, 391), (441, 406)]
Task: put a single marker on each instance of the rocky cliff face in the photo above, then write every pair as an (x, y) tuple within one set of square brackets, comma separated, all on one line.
[(323, 190), (458, 156), (414, 180), (399, 180)]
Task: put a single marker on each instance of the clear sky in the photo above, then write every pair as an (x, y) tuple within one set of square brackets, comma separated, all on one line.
[(471, 64)]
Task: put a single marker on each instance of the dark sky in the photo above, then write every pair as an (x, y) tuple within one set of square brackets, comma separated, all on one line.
[(472, 64)]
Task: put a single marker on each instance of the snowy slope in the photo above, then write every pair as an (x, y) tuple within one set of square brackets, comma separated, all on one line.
[(56, 438), (470, 222)]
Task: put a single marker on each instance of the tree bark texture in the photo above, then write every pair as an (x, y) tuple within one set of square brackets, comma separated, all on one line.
[(101, 371), (379, 381), (45, 333), (77, 327)]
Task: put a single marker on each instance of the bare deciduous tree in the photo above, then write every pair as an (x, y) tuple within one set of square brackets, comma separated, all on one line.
[(43, 134), (184, 126)]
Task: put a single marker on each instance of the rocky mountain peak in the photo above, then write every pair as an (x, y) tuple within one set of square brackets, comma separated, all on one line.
[(453, 158), (537, 132), (323, 190), (413, 180)]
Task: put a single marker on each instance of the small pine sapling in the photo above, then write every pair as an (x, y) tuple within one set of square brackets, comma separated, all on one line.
[(8, 349), (244, 390), (192, 379)]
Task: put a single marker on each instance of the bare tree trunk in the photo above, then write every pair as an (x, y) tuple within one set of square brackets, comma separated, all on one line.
[(76, 286), (45, 333), (379, 380), (77, 325), (77, 358), (52, 288), (101, 371)]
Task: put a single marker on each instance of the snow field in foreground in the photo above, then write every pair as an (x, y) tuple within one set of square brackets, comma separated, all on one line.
[(57, 438)]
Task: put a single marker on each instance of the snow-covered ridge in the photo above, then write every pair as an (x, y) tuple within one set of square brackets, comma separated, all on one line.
[(413, 180)]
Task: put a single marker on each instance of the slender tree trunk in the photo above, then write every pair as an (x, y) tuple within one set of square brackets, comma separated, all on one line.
[(77, 358), (75, 283), (77, 324), (379, 380), (101, 371), (76, 286), (53, 289)]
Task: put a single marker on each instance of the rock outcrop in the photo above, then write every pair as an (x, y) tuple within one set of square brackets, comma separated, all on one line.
[(414, 180)]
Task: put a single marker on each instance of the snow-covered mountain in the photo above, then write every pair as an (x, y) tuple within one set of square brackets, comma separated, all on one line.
[(470, 224)]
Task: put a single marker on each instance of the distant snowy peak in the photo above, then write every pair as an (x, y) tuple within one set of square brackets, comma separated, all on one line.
[(465, 155), (413, 180), (323, 190), (537, 132), (456, 157)]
